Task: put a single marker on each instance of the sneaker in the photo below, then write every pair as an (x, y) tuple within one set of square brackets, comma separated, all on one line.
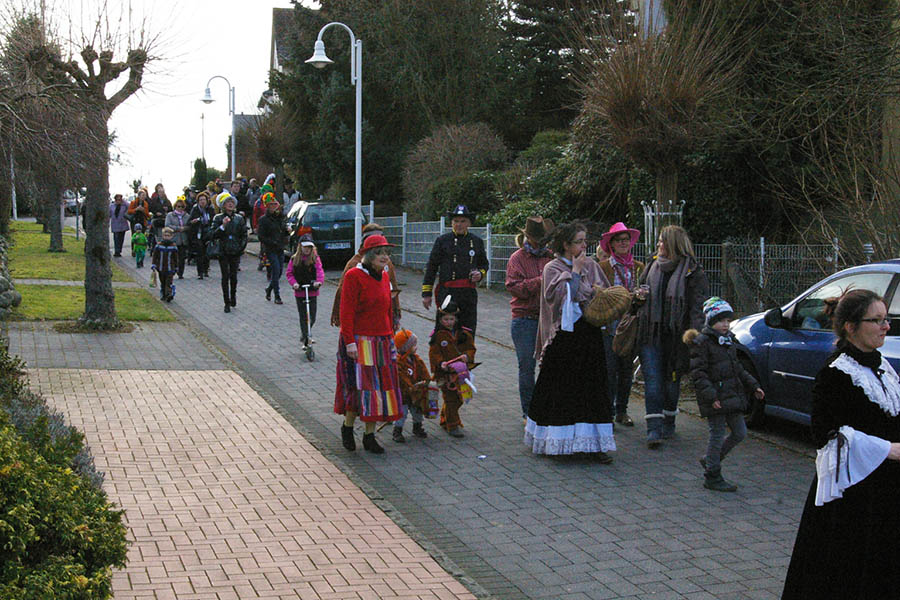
[(397, 435), (419, 431), (455, 432), (654, 439), (624, 419), (278, 300)]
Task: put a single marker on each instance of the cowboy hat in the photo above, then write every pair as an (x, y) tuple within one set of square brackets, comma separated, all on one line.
[(614, 231), (537, 228), (461, 211)]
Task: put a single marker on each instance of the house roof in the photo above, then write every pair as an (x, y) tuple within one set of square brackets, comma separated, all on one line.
[(283, 32)]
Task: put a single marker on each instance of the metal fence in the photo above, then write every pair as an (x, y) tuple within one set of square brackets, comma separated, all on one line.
[(762, 275)]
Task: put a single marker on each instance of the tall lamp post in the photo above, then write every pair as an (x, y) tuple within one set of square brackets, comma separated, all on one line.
[(320, 60), (208, 99)]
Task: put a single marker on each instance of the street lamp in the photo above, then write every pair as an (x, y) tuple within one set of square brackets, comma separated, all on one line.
[(320, 60), (208, 99)]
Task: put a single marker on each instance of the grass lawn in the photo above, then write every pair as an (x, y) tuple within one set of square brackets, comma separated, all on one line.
[(59, 302), (29, 259)]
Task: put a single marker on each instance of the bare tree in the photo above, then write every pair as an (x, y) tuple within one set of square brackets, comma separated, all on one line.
[(89, 70)]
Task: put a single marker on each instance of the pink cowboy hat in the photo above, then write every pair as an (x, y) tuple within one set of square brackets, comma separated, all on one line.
[(614, 231)]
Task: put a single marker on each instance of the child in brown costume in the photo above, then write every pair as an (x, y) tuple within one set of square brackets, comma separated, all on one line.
[(414, 378), (450, 343)]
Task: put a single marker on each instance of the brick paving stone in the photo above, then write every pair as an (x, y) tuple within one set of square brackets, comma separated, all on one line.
[(245, 554)]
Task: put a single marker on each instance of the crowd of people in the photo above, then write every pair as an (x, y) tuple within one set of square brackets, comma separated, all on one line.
[(579, 321)]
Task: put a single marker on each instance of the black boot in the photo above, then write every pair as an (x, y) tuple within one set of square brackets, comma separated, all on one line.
[(371, 444), (269, 294), (397, 436), (715, 482), (347, 438), (227, 307), (419, 431)]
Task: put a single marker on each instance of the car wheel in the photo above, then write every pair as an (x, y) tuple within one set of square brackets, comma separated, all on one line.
[(755, 415)]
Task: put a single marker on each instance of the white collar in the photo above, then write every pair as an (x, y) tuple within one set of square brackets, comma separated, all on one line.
[(884, 392)]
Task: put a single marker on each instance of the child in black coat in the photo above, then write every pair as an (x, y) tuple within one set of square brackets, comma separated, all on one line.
[(721, 383), (165, 262)]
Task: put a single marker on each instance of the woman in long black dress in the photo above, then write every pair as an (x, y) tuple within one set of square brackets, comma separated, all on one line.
[(570, 411), (849, 536)]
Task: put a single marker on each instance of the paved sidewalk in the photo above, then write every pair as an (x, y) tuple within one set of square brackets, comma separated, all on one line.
[(225, 500), (512, 525)]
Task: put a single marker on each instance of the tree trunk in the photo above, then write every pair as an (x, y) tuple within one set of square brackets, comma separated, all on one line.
[(54, 221), (99, 300), (667, 212)]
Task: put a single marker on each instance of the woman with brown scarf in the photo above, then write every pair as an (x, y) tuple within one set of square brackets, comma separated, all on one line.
[(674, 303)]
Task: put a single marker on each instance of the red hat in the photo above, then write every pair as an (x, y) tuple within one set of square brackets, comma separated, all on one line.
[(614, 231), (374, 241)]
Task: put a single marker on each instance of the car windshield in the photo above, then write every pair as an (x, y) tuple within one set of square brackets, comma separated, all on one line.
[(328, 213)]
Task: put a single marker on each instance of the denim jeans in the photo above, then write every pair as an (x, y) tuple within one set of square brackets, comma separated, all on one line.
[(524, 336), (719, 445), (276, 264), (618, 377), (416, 415), (661, 389)]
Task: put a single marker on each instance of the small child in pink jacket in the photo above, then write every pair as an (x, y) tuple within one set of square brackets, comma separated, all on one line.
[(305, 268)]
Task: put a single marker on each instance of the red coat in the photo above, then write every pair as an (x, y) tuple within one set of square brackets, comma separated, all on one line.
[(365, 305)]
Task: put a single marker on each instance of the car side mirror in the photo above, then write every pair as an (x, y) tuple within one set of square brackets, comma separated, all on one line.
[(774, 318)]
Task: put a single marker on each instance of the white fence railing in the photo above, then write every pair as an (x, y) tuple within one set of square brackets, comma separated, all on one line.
[(777, 273)]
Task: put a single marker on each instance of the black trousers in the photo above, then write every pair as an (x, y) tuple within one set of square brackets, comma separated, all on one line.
[(301, 309), (228, 263), (118, 241), (202, 258), (182, 257), (467, 301)]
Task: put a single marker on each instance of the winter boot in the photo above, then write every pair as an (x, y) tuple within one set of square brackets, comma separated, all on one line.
[(419, 431), (397, 436), (347, 438), (371, 444), (715, 482)]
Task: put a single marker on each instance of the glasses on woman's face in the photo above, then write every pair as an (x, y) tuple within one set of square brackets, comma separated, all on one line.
[(382, 252), (622, 240), (885, 322)]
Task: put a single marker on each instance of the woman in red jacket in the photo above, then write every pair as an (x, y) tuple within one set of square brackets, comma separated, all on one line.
[(367, 382)]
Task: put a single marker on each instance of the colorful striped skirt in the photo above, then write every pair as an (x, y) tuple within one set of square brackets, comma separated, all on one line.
[(369, 386)]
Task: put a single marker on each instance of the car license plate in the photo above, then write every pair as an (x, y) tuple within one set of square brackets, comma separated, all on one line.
[(337, 245)]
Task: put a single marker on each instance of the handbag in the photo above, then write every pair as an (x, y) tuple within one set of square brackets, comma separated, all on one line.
[(213, 249), (625, 340)]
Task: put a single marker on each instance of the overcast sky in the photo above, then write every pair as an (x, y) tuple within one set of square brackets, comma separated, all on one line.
[(158, 131)]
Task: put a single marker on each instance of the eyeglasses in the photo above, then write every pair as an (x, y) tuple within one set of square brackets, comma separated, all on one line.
[(877, 321), (619, 240), (382, 252)]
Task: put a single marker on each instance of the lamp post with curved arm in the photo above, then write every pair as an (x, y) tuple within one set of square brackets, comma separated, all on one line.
[(320, 60), (208, 99)]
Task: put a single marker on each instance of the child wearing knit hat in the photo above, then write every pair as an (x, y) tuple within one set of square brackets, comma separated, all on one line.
[(721, 383), (414, 378)]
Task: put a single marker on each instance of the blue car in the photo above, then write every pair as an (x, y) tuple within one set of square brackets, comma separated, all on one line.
[(786, 346)]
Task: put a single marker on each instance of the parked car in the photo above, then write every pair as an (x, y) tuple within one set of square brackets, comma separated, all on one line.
[(331, 225), (73, 205), (786, 346)]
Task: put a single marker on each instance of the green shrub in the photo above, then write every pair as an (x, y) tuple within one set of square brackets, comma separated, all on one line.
[(511, 218), (475, 190), (59, 537), (12, 373), (546, 146)]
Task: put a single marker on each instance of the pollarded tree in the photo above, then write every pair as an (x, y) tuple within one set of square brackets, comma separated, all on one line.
[(659, 98), (89, 71)]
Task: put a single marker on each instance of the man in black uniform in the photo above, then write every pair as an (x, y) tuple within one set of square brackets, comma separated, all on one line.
[(459, 262)]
